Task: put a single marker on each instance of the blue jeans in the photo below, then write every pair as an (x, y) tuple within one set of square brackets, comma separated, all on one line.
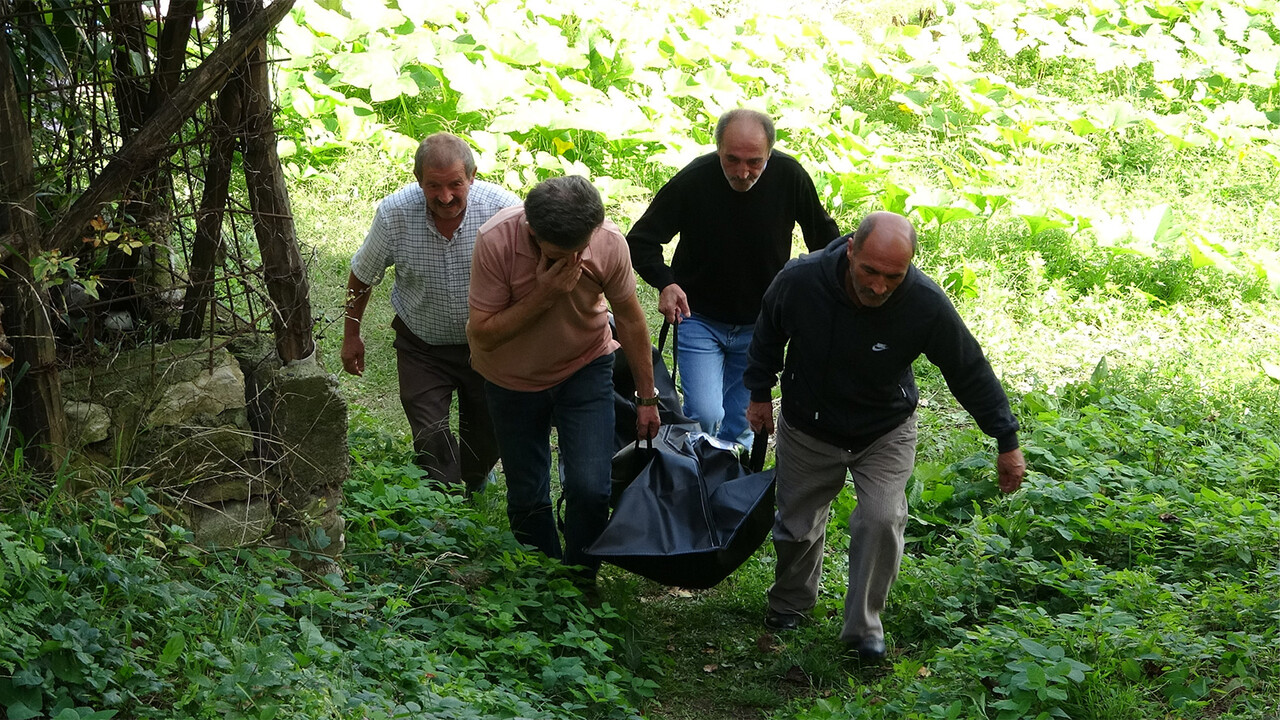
[(712, 357), (581, 408)]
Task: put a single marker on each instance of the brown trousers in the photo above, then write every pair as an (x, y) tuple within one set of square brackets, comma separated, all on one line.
[(429, 376)]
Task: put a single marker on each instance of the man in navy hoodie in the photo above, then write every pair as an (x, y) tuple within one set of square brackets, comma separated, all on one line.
[(851, 319)]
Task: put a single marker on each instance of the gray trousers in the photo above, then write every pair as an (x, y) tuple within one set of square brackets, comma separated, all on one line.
[(810, 474)]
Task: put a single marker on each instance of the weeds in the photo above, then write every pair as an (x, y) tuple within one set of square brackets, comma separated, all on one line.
[(439, 615)]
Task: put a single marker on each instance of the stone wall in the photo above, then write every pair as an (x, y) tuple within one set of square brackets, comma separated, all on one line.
[(245, 450)]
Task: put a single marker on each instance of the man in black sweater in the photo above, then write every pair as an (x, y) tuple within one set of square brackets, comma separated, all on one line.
[(734, 210), (852, 318)]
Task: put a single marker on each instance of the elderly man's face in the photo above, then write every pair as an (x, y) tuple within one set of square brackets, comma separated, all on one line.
[(446, 190), (880, 266), (744, 152)]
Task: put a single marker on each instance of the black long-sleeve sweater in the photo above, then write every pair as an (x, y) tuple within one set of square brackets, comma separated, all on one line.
[(847, 377), (731, 243)]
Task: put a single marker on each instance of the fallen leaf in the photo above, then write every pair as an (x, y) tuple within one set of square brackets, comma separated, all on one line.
[(1271, 369), (710, 668)]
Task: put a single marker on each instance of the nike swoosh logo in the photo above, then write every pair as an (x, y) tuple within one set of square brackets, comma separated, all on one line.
[(879, 347)]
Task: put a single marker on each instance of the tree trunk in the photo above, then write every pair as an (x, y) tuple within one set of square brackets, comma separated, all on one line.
[(208, 240), (143, 201), (282, 265), (128, 42), (38, 397), (171, 55), (151, 142)]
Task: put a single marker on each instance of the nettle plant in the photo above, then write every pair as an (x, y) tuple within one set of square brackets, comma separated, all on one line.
[(108, 610)]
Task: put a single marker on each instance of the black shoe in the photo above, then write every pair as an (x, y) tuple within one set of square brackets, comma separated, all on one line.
[(868, 649), (783, 622)]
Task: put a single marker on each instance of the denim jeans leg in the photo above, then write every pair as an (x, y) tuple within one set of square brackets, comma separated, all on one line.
[(701, 359), (583, 416), (522, 426), (734, 428)]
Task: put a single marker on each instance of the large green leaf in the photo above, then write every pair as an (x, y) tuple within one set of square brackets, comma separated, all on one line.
[(1037, 224), (323, 21), (373, 16), (894, 198), (941, 206), (1154, 227), (511, 49), (45, 45), (1116, 115), (1271, 370), (485, 85), (377, 71), (422, 12)]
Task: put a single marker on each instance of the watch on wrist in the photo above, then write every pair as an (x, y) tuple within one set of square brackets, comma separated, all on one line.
[(649, 401)]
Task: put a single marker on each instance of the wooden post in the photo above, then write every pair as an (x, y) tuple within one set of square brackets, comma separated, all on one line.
[(38, 397), (282, 265)]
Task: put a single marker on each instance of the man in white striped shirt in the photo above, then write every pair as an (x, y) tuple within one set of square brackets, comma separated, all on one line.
[(427, 231)]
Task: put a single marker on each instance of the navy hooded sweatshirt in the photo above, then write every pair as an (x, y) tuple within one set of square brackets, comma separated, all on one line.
[(846, 377)]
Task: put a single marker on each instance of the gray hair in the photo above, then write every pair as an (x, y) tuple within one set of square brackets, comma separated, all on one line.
[(564, 211), (440, 151), (727, 119)]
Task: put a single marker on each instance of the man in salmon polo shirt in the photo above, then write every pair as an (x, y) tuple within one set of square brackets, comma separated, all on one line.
[(541, 274)]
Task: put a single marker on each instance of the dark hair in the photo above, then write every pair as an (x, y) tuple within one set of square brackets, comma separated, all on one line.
[(730, 117), (868, 226), (564, 211), (440, 151)]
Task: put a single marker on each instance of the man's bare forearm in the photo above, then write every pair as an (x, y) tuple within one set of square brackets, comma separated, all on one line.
[(633, 335), (353, 309)]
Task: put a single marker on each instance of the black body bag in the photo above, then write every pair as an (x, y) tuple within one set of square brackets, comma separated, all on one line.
[(687, 510)]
